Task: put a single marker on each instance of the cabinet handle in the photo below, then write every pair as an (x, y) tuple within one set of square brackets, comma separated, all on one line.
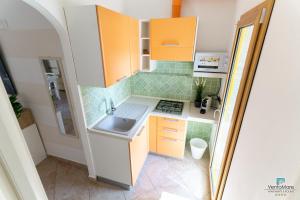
[(170, 44), (171, 130), (141, 131), (169, 139), (171, 120), (122, 78)]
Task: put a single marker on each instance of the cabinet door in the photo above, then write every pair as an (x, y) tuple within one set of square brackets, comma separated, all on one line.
[(152, 133), (134, 45), (114, 37), (173, 39), (138, 152)]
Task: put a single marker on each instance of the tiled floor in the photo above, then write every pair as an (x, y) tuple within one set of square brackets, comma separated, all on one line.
[(186, 178)]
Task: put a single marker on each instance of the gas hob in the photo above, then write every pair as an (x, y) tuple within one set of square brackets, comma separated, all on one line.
[(171, 107)]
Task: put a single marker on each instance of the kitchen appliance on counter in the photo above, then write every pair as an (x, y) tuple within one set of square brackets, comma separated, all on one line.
[(205, 104), (211, 62), (170, 107)]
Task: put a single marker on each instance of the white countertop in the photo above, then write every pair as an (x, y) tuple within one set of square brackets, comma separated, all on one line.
[(189, 113)]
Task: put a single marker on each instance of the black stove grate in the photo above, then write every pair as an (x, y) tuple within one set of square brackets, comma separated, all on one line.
[(172, 107)]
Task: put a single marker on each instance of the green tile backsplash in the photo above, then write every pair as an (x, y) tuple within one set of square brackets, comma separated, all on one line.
[(198, 130), (182, 68), (172, 80), (94, 97), (162, 85)]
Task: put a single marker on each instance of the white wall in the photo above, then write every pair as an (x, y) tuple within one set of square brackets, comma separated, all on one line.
[(28, 37), (16, 19), (116, 5), (145, 9), (268, 144), (216, 18)]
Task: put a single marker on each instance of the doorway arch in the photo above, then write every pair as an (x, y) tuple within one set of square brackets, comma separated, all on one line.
[(53, 12)]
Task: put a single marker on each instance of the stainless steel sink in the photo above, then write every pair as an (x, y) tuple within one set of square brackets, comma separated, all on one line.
[(116, 124), (124, 119)]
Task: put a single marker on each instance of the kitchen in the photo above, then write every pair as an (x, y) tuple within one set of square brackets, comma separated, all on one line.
[(153, 98), (143, 102)]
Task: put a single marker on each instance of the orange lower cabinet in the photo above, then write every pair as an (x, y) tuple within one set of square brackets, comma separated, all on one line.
[(152, 133), (170, 147), (171, 133), (138, 152), (171, 123)]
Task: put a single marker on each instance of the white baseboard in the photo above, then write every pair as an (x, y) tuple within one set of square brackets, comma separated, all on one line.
[(67, 153)]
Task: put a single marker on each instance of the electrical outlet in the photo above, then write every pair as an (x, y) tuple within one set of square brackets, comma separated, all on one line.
[(3, 24)]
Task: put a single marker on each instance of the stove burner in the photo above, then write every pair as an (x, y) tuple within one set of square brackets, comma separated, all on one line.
[(172, 107)]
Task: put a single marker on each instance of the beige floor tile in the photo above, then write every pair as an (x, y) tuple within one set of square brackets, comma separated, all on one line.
[(71, 182), (178, 190), (143, 189), (103, 191), (47, 172), (186, 178)]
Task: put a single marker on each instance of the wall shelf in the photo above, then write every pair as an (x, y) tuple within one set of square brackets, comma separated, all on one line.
[(146, 64)]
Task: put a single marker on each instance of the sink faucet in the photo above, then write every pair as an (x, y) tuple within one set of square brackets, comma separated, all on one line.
[(112, 109), (108, 109)]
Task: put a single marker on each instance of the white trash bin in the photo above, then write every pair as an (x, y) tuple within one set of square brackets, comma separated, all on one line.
[(198, 147)]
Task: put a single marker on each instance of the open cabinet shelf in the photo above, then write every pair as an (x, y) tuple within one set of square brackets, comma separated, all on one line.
[(147, 65)]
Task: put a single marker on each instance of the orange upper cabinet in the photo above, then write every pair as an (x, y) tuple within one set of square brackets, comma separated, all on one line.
[(173, 39), (134, 45), (115, 42), (102, 42)]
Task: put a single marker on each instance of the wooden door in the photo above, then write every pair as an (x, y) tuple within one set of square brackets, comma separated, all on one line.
[(173, 38), (249, 38), (134, 45), (138, 152), (114, 37)]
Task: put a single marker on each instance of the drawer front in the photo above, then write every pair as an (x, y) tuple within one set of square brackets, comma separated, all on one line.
[(170, 147), (172, 53), (172, 133), (171, 123)]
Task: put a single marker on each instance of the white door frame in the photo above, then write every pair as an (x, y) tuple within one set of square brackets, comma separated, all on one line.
[(15, 157)]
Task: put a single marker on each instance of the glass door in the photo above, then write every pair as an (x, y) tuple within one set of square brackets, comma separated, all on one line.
[(235, 78)]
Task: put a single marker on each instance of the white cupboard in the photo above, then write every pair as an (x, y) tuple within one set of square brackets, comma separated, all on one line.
[(34, 143)]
